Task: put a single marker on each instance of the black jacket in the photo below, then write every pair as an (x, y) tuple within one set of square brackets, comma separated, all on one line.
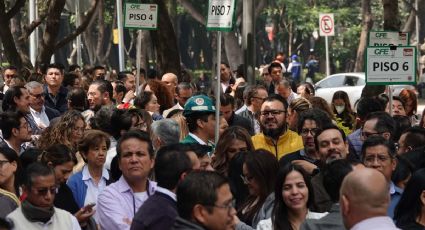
[(182, 224)]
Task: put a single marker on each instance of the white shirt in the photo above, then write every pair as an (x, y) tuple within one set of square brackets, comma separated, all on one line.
[(167, 111), (40, 118), (93, 190), (112, 152), (199, 140), (5, 88), (267, 223), (375, 223), (166, 192)]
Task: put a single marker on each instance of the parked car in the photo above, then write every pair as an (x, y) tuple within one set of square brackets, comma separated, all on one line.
[(351, 83)]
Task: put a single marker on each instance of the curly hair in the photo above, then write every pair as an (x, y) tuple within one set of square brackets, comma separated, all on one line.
[(60, 132), (165, 98)]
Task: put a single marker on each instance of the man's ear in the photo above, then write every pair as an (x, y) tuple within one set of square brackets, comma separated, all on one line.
[(422, 197), (15, 132), (199, 213), (344, 205)]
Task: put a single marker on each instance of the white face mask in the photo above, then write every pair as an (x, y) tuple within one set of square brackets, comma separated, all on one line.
[(339, 108)]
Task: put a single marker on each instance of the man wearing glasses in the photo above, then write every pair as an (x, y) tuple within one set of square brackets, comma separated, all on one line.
[(40, 113), (15, 130), (379, 153), (204, 201), (275, 136), (37, 211), (309, 123), (9, 73), (378, 124)]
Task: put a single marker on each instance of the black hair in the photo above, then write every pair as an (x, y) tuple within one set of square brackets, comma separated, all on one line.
[(333, 175), (57, 154), (277, 97), (102, 119), (327, 127), (8, 121), (122, 120), (260, 164), (69, 79), (170, 164), (385, 123), (199, 187), (274, 65), (12, 156), (193, 118), (5, 224), (397, 98), (73, 67), (36, 169), (104, 86), (30, 155), (9, 97), (139, 135), (77, 99), (367, 105), (120, 88), (415, 137), (227, 99), (280, 216), (409, 207), (98, 67), (58, 66), (401, 124), (122, 76), (317, 115), (376, 140), (198, 149), (403, 170)]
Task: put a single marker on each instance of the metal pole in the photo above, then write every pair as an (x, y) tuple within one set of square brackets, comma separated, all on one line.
[(418, 43), (327, 57), (248, 39), (33, 42), (77, 24), (390, 102), (218, 89), (138, 57), (120, 36)]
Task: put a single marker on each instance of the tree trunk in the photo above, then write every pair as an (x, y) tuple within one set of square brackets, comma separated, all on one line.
[(51, 31), (391, 15), (6, 36), (100, 31), (166, 43), (367, 23)]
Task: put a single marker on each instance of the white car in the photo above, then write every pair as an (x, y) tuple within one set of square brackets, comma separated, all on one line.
[(351, 83)]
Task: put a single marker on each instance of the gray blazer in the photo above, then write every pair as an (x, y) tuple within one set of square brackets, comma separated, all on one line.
[(265, 212)]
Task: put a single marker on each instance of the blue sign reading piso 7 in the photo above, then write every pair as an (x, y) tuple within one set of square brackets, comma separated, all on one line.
[(141, 16), (391, 65)]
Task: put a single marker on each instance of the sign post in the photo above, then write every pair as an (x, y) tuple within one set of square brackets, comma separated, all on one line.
[(220, 18), (327, 28), (140, 16)]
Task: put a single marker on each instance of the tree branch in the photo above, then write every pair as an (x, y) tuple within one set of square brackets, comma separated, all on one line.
[(15, 9), (80, 28), (192, 11)]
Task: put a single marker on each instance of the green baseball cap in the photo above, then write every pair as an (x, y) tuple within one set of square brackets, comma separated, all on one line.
[(198, 104)]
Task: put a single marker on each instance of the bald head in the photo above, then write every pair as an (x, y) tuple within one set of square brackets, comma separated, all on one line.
[(171, 80), (364, 194)]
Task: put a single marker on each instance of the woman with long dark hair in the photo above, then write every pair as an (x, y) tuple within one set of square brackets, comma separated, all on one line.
[(9, 186), (344, 115), (259, 173), (293, 197), (410, 211)]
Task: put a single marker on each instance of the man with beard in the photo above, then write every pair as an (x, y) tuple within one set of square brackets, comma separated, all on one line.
[(331, 143), (275, 136), (309, 123), (99, 94)]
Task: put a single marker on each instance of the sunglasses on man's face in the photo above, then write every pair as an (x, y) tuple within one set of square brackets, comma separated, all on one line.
[(44, 191)]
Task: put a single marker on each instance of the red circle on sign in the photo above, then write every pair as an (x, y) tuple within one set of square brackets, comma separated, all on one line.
[(326, 24)]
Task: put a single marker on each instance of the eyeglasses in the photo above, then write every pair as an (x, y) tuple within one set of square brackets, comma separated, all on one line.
[(3, 162), (9, 75), (260, 98), (38, 96), (367, 134), (43, 191), (24, 126), (305, 132), (246, 179), (380, 158), (228, 206), (272, 112)]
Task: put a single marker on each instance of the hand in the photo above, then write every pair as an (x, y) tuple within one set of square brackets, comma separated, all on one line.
[(128, 96), (307, 166), (84, 214)]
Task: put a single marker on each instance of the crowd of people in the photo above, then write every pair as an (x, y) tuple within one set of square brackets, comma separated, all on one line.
[(80, 149)]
